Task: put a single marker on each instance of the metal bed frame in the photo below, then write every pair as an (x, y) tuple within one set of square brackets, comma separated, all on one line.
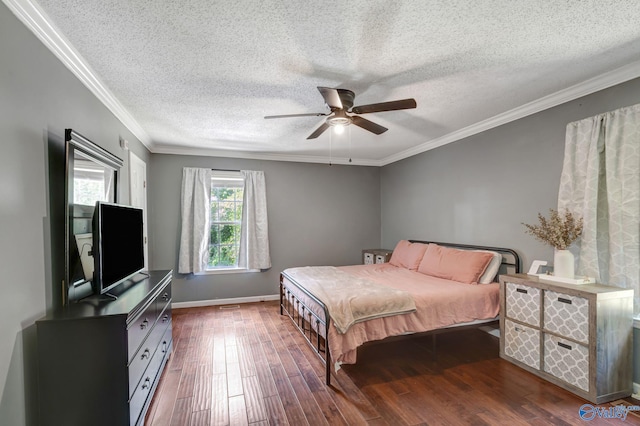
[(310, 324)]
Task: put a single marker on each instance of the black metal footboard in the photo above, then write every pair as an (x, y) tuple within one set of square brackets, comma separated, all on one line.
[(307, 321)]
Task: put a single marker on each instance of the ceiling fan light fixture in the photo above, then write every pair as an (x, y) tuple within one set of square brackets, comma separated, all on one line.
[(340, 102), (338, 121), (338, 129)]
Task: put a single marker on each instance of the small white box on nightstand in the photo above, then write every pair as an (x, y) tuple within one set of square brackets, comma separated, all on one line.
[(371, 256)]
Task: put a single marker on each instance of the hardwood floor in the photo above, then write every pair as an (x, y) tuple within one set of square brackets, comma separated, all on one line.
[(247, 365)]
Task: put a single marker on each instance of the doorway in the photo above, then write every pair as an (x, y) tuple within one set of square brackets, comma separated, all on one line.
[(138, 195)]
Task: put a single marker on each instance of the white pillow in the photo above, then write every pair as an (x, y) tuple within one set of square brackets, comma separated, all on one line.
[(492, 268)]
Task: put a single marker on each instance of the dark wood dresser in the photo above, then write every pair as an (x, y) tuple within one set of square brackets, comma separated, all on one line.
[(100, 359)]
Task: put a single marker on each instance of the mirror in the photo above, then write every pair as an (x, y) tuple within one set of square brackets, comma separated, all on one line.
[(91, 175)]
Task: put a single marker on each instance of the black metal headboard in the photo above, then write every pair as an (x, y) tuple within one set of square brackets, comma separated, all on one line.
[(510, 259)]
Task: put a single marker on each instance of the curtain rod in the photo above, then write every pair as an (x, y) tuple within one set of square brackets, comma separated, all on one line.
[(225, 170)]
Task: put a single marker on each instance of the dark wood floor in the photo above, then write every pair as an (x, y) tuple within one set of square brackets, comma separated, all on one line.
[(247, 364)]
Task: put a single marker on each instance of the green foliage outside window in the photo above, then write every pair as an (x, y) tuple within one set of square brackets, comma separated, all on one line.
[(87, 191), (226, 218)]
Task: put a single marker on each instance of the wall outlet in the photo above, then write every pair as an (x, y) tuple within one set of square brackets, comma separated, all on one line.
[(124, 144)]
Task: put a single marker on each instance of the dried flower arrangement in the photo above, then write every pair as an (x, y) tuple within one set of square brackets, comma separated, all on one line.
[(559, 231)]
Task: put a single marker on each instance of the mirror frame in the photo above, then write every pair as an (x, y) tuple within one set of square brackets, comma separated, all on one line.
[(75, 142)]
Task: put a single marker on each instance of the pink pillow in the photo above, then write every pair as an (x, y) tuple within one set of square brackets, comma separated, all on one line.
[(407, 255), (452, 264)]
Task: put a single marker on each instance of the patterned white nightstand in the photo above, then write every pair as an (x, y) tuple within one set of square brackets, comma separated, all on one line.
[(578, 337), (371, 256)]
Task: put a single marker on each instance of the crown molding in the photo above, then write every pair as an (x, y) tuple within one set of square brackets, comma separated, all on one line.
[(34, 18), (204, 152), (587, 87), (31, 15)]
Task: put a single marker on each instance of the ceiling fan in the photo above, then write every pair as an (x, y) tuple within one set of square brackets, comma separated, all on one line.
[(340, 102)]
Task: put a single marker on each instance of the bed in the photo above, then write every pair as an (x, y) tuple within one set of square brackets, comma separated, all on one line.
[(422, 289)]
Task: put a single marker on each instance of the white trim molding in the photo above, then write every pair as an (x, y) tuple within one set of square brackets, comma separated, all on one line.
[(205, 152), (218, 302), (592, 85), (34, 18), (38, 22), (222, 271)]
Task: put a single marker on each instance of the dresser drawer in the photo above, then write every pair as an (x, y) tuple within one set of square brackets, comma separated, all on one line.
[(566, 315), (523, 303), (368, 258), (522, 343), (142, 358), (163, 306), (143, 390), (166, 343), (567, 360), (137, 332), (163, 298), (165, 317)]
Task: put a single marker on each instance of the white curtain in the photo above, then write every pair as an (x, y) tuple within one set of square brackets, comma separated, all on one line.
[(196, 203), (254, 243), (601, 182)]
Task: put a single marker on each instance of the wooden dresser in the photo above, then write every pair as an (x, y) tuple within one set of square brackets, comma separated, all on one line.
[(579, 337), (100, 359)]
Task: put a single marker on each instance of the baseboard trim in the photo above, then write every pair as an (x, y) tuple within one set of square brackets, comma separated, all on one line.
[(216, 302)]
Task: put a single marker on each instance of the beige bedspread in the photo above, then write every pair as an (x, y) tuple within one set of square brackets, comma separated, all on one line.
[(351, 299)]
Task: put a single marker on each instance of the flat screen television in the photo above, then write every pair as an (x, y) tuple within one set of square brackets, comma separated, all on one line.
[(118, 245)]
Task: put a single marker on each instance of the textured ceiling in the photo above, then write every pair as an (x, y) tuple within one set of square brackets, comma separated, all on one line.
[(200, 74)]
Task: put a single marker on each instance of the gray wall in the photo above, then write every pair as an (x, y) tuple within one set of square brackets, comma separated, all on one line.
[(318, 215), (39, 98), (477, 190), (480, 189)]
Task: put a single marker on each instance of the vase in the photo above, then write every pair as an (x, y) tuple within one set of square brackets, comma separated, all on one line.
[(563, 264)]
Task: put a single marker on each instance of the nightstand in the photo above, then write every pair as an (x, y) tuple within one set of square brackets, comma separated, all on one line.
[(371, 256)]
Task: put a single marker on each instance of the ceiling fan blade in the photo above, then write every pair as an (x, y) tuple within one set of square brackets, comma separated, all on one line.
[(312, 114), (368, 125), (385, 106), (331, 97), (324, 126)]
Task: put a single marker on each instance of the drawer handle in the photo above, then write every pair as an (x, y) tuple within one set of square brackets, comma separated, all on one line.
[(522, 290), (521, 330), (165, 318), (145, 354), (564, 345), (165, 296), (563, 300), (145, 385), (144, 324), (164, 346)]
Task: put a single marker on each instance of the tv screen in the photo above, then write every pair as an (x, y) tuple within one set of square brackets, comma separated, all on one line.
[(118, 244)]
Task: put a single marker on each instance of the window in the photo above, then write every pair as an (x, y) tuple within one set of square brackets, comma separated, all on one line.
[(227, 190), (213, 234), (91, 181)]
